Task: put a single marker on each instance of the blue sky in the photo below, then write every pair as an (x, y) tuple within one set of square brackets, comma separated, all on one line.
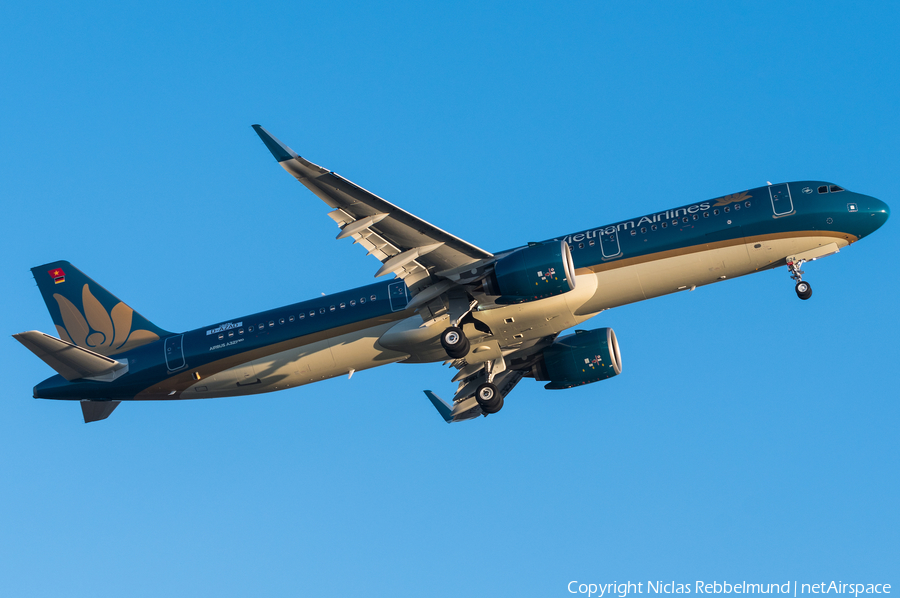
[(751, 436)]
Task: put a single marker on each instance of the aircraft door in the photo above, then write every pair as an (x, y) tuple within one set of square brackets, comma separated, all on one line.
[(782, 204), (609, 244), (174, 352), (398, 294)]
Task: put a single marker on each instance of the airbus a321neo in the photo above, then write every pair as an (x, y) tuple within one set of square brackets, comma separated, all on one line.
[(496, 317)]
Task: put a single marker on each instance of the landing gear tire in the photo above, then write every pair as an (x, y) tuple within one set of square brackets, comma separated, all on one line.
[(489, 399), (804, 290), (455, 342)]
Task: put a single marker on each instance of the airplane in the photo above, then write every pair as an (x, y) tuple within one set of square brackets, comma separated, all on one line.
[(494, 317)]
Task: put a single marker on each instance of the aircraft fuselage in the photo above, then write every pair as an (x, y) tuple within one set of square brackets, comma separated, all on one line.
[(615, 264)]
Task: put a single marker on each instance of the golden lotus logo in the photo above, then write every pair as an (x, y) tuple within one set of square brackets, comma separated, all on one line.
[(97, 330), (733, 198)]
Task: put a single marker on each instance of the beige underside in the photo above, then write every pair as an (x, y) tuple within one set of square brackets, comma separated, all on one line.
[(601, 287)]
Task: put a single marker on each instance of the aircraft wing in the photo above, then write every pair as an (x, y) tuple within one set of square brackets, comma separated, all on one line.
[(406, 245), (507, 370)]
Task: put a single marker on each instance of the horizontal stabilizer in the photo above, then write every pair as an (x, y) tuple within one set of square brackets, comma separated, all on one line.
[(71, 361), (94, 411)]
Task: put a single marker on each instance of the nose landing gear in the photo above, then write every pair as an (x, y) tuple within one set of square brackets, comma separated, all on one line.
[(803, 289)]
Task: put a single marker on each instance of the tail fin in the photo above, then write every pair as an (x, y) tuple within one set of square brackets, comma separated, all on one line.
[(88, 315)]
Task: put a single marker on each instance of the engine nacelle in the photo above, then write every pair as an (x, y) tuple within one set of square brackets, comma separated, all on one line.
[(581, 358), (531, 273)]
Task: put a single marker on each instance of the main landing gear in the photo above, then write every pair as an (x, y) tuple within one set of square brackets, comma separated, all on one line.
[(489, 398), (457, 346), (453, 340), (804, 289)]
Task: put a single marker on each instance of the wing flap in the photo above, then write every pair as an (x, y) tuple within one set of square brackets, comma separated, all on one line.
[(71, 361)]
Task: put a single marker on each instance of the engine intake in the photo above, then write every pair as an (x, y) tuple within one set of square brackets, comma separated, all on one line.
[(534, 272), (581, 358)]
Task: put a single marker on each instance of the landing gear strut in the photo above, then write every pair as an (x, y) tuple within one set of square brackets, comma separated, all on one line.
[(804, 289)]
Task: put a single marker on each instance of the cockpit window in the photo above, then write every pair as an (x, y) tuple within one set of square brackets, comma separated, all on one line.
[(835, 189), (823, 189)]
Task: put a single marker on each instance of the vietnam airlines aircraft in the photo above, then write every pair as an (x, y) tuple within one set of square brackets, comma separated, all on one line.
[(496, 317)]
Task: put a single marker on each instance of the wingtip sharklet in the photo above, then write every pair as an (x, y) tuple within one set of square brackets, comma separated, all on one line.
[(278, 149), (443, 408)]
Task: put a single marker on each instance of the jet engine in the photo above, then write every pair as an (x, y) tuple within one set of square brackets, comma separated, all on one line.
[(534, 272), (581, 358)]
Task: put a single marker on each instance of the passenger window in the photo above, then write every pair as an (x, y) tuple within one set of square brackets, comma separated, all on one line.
[(823, 189), (696, 217), (706, 214), (685, 219), (715, 212), (664, 224), (581, 246), (312, 313), (250, 329), (746, 204), (231, 333), (372, 297), (331, 308), (321, 310), (241, 331), (362, 299), (281, 321), (643, 229), (653, 227), (675, 223), (271, 323), (737, 206), (591, 243), (343, 305), (291, 319), (352, 302), (835, 188), (262, 325), (302, 315), (726, 209), (633, 232), (221, 336)]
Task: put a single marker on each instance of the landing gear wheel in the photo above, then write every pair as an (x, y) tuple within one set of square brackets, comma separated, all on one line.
[(804, 290), (489, 399), (455, 342)]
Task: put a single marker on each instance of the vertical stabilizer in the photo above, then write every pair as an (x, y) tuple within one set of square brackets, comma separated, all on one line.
[(88, 315)]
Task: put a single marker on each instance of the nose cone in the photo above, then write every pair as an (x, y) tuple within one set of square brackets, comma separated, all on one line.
[(877, 212)]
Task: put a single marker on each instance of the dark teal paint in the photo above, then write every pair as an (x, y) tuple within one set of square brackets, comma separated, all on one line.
[(278, 149), (580, 358), (811, 212), (147, 364)]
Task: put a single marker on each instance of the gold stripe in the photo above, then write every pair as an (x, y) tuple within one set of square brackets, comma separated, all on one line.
[(652, 257)]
